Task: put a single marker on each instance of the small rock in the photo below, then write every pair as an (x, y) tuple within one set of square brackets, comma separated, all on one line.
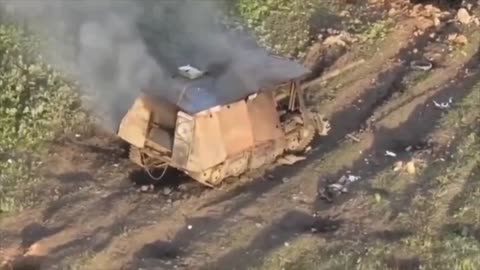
[(476, 21), (167, 191), (410, 167), (459, 39), (392, 12), (144, 188), (344, 13), (397, 166), (463, 16), (183, 187), (189, 227), (431, 9), (424, 23), (334, 40), (390, 153), (416, 9)]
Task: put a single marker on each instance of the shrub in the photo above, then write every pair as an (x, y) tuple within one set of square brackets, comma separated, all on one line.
[(36, 104)]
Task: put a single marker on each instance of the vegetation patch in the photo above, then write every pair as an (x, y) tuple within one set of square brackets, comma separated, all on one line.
[(36, 104)]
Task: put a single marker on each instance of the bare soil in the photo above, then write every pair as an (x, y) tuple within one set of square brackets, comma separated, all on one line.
[(92, 215)]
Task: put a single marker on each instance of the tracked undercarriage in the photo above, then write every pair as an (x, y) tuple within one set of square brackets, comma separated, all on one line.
[(221, 141)]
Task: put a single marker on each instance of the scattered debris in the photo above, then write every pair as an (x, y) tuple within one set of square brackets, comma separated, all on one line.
[(378, 197), (398, 166), (190, 72), (337, 38), (353, 178), (423, 24), (476, 21), (146, 188), (353, 137), (443, 105), (421, 65), (390, 153), (410, 167), (458, 38), (167, 191), (290, 159), (463, 16), (340, 186), (334, 40)]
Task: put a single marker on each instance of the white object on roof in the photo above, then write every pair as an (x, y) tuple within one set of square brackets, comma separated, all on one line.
[(190, 72)]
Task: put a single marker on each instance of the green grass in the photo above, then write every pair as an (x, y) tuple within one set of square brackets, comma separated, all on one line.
[(36, 105)]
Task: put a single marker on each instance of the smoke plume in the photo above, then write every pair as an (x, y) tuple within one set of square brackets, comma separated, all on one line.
[(118, 49)]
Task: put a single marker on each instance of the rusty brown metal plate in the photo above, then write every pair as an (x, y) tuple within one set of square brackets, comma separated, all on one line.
[(236, 128), (264, 118), (207, 147), (134, 126)]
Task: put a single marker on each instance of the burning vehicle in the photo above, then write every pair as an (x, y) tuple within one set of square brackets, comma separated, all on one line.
[(211, 136)]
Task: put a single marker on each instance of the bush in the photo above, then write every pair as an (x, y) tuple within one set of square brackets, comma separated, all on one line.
[(282, 25), (36, 104), (34, 100)]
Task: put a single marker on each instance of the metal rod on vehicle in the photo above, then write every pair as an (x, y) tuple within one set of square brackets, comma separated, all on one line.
[(291, 104)]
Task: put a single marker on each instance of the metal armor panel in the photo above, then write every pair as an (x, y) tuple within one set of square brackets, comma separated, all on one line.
[(264, 118), (134, 126), (236, 128), (208, 149)]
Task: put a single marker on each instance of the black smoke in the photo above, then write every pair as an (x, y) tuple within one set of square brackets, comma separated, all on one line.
[(117, 49)]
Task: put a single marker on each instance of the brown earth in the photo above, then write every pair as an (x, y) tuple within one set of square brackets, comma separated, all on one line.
[(94, 216)]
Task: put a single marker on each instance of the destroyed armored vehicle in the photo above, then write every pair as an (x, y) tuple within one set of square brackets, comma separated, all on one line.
[(211, 135)]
